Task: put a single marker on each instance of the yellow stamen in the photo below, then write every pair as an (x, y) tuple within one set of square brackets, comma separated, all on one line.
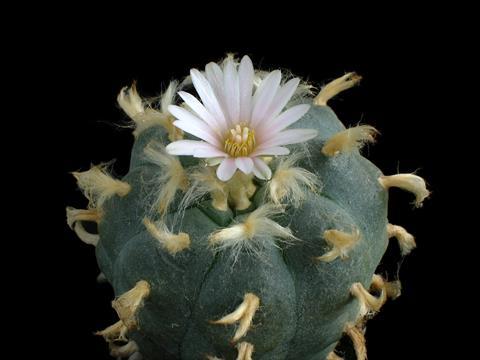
[(240, 141)]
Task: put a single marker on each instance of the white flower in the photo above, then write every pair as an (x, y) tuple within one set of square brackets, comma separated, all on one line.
[(238, 128)]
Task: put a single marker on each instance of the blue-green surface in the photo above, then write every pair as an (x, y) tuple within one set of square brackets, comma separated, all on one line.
[(304, 304)]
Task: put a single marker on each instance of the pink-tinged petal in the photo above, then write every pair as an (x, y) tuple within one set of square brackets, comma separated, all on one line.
[(199, 109), (206, 93), (226, 169), (209, 151), (263, 97), (283, 96), (284, 120), (245, 164), (193, 125), (291, 136), (185, 147), (261, 170), (214, 75), (245, 76), (276, 150), (202, 133), (232, 91)]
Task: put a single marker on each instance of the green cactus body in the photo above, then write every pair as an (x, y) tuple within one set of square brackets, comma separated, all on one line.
[(304, 304)]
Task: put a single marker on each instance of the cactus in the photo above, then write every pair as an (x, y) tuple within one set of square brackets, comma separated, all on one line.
[(242, 248)]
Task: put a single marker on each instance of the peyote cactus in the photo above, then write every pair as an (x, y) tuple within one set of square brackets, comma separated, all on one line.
[(235, 246)]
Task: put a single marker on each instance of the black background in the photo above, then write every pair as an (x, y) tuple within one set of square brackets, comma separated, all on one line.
[(404, 94)]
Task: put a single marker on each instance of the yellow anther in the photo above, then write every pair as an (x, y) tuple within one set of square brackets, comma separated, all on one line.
[(240, 141)]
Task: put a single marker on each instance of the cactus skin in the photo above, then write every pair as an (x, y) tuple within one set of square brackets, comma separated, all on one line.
[(305, 304)]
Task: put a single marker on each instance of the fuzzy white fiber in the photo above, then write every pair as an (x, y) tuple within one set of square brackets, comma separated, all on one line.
[(409, 182), (291, 184), (350, 139), (98, 185), (171, 176), (255, 234)]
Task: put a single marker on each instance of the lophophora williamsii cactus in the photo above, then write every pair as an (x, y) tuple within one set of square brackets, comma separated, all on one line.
[(223, 243)]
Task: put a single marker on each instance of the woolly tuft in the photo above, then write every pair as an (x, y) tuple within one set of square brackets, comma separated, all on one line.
[(172, 176), (130, 302), (144, 116), (335, 87), (245, 351), (253, 235), (358, 339), (341, 242), (204, 181), (349, 140), (405, 239), (393, 289), (74, 215), (171, 242), (409, 182), (115, 332), (243, 314), (98, 185), (74, 221), (370, 304), (289, 183), (131, 102)]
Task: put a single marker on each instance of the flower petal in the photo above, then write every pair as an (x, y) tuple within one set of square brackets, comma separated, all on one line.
[(291, 136), (193, 125), (199, 109), (245, 78), (206, 93), (276, 150), (283, 96), (284, 120), (245, 164), (226, 169), (185, 147), (263, 97), (214, 75), (232, 91), (261, 170), (208, 151), (194, 129)]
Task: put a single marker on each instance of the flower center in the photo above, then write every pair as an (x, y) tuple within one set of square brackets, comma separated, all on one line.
[(240, 141)]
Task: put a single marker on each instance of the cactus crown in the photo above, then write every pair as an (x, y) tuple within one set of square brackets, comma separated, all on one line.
[(248, 226)]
